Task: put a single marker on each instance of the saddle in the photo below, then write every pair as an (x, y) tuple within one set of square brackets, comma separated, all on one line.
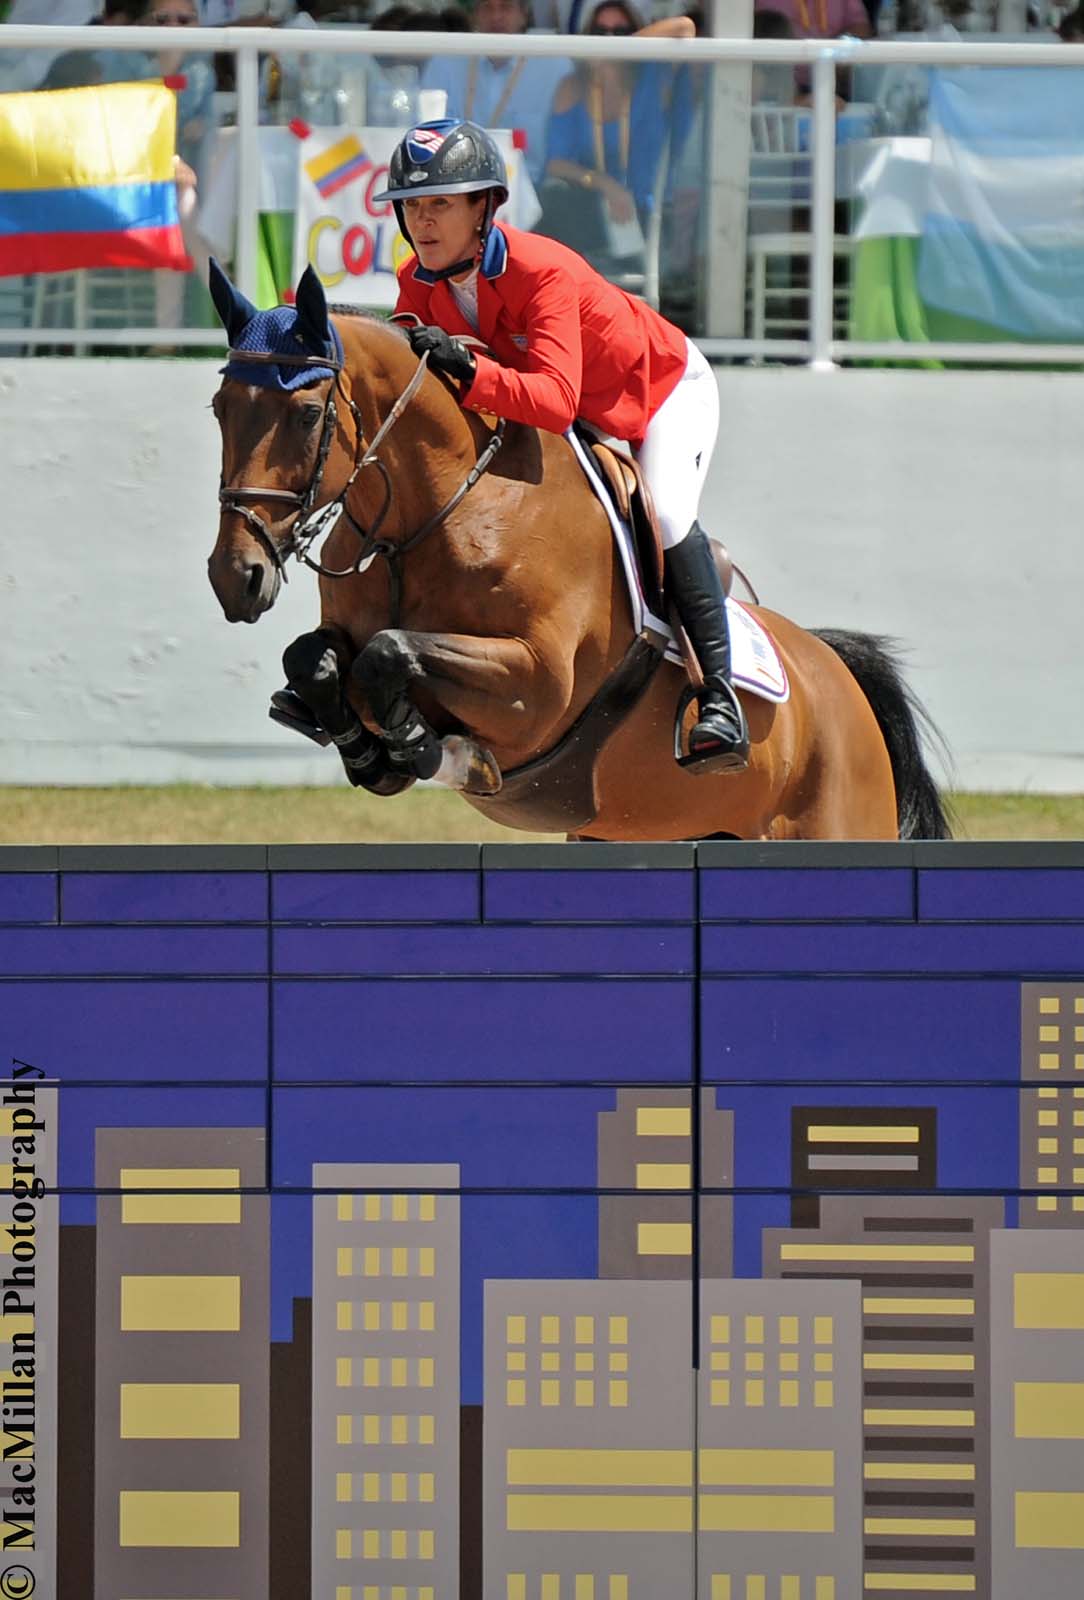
[(631, 496)]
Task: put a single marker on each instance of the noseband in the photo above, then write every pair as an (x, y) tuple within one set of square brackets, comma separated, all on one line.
[(312, 521)]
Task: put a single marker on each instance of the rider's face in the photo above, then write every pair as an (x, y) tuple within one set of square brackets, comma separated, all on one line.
[(444, 227)]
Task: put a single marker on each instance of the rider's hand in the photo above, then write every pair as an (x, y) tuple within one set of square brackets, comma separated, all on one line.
[(445, 353), (619, 202)]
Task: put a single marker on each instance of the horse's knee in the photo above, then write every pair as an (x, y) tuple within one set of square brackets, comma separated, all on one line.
[(386, 661), (310, 660)]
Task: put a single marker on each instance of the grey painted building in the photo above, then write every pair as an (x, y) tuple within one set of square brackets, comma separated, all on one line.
[(182, 1339), (385, 1376), (1037, 1414), (589, 1438), (647, 1144), (29, 1329), (780, 1431), (923, 1266)]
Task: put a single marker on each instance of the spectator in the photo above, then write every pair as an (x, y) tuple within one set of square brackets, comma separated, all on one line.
[(1071, 27), (823, 19), (511, 92), (392, 83), (772, 84), (597, 107)]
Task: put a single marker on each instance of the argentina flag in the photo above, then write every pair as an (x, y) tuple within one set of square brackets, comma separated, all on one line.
[(1003, 229)]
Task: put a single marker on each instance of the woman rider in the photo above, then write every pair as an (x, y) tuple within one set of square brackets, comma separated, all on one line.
[(567, 344)]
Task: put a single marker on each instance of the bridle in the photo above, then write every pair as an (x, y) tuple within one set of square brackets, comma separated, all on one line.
[(312, 521)]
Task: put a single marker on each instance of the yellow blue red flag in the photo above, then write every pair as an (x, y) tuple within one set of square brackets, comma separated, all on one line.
[(87, 179)]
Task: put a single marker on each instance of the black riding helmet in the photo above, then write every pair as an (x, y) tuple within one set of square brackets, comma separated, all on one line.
[(446, 157)]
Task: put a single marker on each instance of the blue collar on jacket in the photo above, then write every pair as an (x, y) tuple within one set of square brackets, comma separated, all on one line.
[(494, 259)]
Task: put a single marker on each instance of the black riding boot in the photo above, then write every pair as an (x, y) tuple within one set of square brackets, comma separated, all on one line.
[(720, 736)]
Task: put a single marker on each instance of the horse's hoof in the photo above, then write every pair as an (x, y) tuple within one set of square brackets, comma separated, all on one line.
[(389, 783), (465, 766)]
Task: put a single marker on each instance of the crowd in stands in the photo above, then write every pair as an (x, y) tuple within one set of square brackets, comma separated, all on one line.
[(605, 143)]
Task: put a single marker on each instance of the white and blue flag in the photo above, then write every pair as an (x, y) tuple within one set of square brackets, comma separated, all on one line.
[(1003, 229)]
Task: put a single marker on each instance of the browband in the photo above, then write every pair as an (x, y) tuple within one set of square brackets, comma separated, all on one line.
[(269, 358)]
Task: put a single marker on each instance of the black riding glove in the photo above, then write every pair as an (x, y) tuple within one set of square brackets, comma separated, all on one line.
[(445, 353)]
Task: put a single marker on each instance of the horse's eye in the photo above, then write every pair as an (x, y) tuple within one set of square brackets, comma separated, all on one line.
[(310, 415)]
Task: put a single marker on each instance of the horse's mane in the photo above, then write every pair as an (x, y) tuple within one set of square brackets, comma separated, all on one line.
[(367, 316)]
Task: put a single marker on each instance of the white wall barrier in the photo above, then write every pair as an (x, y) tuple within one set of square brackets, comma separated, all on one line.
[(942, 508)]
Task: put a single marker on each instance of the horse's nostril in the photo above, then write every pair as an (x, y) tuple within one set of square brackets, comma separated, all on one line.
[(254, 586)]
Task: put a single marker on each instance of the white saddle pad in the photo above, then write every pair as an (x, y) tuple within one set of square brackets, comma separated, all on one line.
[(755, 662)]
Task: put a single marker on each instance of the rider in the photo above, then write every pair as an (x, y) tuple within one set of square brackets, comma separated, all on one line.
[(566, 343)]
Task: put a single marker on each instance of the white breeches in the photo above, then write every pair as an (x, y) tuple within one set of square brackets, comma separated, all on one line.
[(677, 446)]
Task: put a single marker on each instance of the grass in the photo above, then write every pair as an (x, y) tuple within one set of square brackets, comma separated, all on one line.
[(194, 814)]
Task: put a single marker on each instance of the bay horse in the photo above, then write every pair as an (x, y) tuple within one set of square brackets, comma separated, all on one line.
[(475, 622)]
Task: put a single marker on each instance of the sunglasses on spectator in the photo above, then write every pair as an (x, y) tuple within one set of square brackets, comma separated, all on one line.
[(172, 19), (623, 31)]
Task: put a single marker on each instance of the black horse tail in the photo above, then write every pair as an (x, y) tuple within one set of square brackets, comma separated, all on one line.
[(904, 725)]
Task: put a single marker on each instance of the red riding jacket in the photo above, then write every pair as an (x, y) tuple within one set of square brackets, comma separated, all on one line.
[(568, 343)]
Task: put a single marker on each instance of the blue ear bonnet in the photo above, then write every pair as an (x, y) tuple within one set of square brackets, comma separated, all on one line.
[(278, 332)]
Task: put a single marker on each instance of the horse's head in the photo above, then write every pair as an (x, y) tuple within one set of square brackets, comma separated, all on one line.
[(277, 421)]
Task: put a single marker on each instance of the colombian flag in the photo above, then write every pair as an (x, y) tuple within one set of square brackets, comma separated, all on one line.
[(339, 165), (86, 179)]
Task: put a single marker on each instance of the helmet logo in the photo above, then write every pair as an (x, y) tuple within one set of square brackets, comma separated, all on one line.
[(424, 142), (419, 175)]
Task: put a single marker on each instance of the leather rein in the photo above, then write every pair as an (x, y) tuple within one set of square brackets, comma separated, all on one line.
[(312, 521)]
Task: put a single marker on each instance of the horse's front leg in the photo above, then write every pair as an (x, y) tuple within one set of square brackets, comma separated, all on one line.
[(317, 667), (486, 685)]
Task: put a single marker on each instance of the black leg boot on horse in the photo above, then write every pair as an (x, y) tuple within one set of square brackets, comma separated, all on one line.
[(720, 740), (313, 703)]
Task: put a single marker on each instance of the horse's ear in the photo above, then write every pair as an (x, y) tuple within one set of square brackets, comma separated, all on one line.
[(234, 311), (310, 303)]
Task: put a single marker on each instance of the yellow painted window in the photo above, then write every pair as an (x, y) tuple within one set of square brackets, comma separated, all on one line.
[(1048, 1147), (345, 1208), (822, 1330), (754, 1361), (343, 1372), (1047, 1094), (1048, 1061), (619, 1392), (789, 1361), (664, 1122), (754, 1391), (426, 1372), (788, 1392), (790, 1587), (515, 1586), (1078, 1174), (550, 1391), (585, 1330), (1078, 1119), (370, 1544), (664, 1238), (344, 1261), (1049, 1410), (190, 1207), (370, 1372), (1049, 1033), (585, 1586), (1049, 1521), (756, 1587), (823, 1392), (399, 1544), (720, 1586), (399, 1267), (788, 1330), (370, 1487), (370, 1429), (619, 1330), (619, 1361), (551, 1360), (585, 1361), (427, 1261), (754, 1330), (551, 1587), (1047, 1175), (585, 1392), (663, 1175), (1046, 1202), (822, 1361), (173, 1519), (398, 1486), (1048, 1119), (720, 1391), (516, 1361), (425, 1487), (344, 1485), (426, 1316), (180, 1410), (425, 1544), (720, 1361), (370, 1316), (550, 1330), (180, 1304), (398, 1372), (825, 1589), (400, 1428), (1049, 1005), (720, 1330), (344, 1430), (400, 1208), (344, 1315), (426, 1427), (618, 1586), (373, 1204), (371, 1261), (515, 1392), (343, 1544), (515, 1330)]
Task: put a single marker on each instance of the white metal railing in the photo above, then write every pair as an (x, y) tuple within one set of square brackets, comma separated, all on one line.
[(821, 349)]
